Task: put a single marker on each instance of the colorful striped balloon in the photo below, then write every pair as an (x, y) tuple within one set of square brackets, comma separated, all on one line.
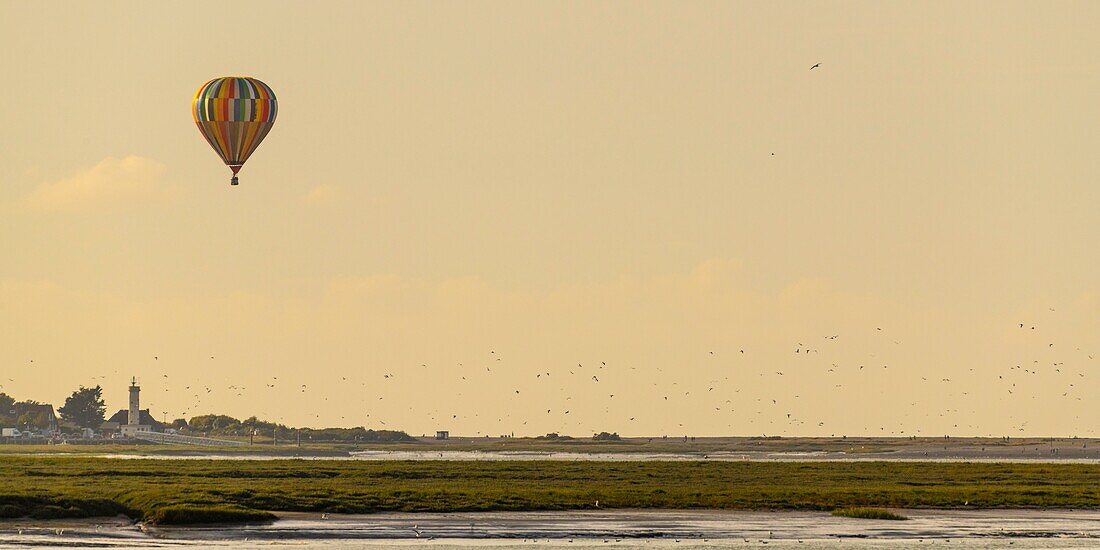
[(234, 114)]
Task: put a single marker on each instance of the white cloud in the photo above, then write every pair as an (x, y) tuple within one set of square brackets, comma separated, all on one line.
[(111, 182)]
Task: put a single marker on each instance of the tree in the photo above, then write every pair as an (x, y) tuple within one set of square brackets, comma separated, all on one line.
[(38, 420), (84, 407), (7, 404), (217, 423)]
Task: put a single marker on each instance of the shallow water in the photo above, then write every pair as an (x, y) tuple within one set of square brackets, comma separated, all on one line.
[(507, 456), (461, 544), (787, 456), (591, 529)]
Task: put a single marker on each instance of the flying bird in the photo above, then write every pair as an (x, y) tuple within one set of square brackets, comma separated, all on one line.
[(816, 65)]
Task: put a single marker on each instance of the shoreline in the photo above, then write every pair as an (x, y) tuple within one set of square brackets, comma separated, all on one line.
[(627, 524), (1052, 449), (375, 455)]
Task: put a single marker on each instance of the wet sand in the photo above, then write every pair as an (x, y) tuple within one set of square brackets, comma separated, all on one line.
[(624, 528), (685, 524)]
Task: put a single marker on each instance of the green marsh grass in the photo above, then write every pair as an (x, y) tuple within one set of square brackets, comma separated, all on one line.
[(186, 491), (868, 513)]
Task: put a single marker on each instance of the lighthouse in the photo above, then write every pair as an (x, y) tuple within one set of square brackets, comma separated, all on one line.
[(134, 418)]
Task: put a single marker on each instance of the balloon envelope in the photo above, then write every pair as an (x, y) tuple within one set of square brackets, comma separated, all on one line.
[(234, 114)]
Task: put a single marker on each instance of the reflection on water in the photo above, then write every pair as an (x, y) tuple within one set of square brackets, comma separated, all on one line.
[(499, 456), (591, 529), (721, 456), (48, 541)]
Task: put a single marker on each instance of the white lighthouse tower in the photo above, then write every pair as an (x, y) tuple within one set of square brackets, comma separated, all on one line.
[(133, 419), (135, 407)]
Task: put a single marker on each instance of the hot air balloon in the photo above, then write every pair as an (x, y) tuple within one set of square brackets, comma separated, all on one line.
[(234, 114)]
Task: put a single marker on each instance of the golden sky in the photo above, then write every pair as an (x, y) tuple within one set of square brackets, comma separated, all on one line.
[(467, 196)]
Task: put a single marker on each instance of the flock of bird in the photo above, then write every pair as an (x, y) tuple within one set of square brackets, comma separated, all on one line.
[(735, 393), (727, 391)]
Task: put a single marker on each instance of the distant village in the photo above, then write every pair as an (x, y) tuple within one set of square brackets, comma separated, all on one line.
[(82, 419)]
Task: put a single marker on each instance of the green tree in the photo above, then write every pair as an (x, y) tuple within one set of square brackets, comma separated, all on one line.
[(84, 407), (213, 423), (37, 420), (7, 403)]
